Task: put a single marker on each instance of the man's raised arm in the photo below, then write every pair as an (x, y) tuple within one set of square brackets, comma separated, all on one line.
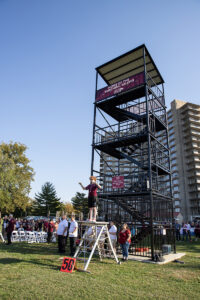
[(84, 188)]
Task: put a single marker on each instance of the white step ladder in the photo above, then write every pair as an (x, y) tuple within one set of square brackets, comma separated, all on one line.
[(95, 236)]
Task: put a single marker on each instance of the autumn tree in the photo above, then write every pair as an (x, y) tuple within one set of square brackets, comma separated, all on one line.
[(16, 176), (68, 208)]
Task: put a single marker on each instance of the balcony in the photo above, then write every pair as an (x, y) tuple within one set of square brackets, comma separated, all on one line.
[(194, 120)]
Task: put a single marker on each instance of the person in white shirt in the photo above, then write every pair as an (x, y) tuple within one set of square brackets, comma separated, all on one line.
[(62, 234), (101, 240), (17, 225), (89, 237), (113, 234), (20, 228), (188, 235), (90, 234), (73, 233)]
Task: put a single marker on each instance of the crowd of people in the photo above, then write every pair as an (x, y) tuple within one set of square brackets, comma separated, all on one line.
[(187, 231), (68, 229), (64, 229), (10, 224)]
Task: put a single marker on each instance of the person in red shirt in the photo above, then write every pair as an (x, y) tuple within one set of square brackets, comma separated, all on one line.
[(28, 227), (125, 240), (51, 227), (92, 197), (10, 228), (46, 223)]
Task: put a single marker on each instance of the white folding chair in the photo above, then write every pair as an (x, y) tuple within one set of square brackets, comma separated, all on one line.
[(31, 237), (15, 236), (43, 237), (53, 237), (26, 235), (22, 236), (38, 236)]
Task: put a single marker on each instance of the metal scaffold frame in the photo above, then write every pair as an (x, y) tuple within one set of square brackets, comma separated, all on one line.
[(94, 242), (130, 127)]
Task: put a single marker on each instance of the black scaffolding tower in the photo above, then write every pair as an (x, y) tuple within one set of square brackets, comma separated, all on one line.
[(130, 151)]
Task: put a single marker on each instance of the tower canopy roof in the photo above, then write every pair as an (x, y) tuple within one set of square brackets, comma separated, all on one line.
[(129, 64)]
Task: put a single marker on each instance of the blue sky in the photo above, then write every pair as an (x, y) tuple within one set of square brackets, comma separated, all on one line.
[(49, 51)]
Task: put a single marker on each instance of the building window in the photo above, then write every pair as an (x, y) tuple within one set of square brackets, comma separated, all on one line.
[(174, 161), (172, 143), (170, 119), (169, 113), (173, 155), (177, 209), (175, 189), (109, 173), (174, 168), (175, 174), (173, 148), (176, 196), (175, 181), (191, 181)]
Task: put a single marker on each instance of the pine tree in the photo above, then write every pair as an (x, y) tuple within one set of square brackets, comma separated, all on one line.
[(80, 203), (47, 202)]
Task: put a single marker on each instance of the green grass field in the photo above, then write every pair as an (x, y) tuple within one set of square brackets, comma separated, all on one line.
[(31, 271)]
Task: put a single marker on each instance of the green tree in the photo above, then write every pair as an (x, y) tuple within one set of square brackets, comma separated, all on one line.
[(16, 176), (80, 203), (47, 201)]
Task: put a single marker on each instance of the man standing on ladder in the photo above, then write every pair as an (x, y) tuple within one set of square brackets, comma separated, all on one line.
[(92, 197)]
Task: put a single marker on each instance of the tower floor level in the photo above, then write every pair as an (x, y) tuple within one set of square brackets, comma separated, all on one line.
[(130, 151)]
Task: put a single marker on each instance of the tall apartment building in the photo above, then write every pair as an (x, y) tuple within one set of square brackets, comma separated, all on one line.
[(184, 142)]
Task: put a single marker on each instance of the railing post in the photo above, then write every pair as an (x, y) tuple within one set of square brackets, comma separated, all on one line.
[(94, 123)]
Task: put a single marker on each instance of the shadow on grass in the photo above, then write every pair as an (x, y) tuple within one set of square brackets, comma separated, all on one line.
[(51, 249), (25, 248), (190, 247), (7, 261), (31, 249), (186, 265)]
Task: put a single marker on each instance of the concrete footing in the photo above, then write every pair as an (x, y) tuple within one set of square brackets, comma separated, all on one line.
[(167, 258)]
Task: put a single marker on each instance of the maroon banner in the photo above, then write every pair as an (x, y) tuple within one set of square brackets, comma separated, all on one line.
[(118, 182), (120, 86)]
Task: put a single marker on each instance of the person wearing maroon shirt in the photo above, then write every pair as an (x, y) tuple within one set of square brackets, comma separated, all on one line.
[(28, 227), (46, 225), (125, 240), (51, 228), (92, 197), (10, 228)]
